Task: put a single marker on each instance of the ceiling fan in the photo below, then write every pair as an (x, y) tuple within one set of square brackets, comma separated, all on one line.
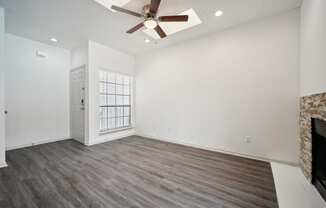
[(151, 21)]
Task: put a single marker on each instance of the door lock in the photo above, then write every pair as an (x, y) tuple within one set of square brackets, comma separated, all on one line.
[(6, 112)]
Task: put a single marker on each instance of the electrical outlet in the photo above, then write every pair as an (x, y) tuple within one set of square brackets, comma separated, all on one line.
[(248, 139)]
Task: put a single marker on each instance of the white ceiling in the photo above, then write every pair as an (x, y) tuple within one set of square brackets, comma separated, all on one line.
[(73, 22)]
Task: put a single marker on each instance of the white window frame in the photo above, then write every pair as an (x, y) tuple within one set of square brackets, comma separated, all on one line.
[(112, 103)]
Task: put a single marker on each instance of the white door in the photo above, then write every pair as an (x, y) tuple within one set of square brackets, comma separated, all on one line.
[(77, 104), (2, 97)]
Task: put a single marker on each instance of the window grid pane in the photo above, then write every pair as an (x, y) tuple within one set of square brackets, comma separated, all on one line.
[(115, 101)]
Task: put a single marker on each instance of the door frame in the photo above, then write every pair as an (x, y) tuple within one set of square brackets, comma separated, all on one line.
[(83, 67), (2, 93)]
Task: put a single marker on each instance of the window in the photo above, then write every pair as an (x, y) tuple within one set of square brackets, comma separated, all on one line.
[(115, 101)]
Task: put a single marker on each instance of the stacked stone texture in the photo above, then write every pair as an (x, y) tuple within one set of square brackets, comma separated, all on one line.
[(313, 106)]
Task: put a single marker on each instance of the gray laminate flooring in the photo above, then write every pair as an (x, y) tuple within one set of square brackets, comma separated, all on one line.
[(133, 172)]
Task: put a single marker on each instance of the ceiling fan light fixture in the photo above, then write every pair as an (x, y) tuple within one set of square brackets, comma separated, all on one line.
[(150, 23)]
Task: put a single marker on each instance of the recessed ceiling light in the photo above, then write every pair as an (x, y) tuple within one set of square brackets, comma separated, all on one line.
[(54, 40), (218, 13), (147, 40)]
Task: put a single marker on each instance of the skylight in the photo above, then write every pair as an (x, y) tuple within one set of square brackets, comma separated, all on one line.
[(109, 3), (174, 27)]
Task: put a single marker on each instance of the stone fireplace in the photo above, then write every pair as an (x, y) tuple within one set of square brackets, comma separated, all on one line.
[(313, 106), (319, 155)]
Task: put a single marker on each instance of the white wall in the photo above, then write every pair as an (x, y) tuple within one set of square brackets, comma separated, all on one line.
[(104, 58), (79, 57), (313, 47), (215, 91), (2, 108), (37, 92)]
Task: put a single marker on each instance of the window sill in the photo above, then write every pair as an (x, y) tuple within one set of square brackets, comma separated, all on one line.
[(101, 133)]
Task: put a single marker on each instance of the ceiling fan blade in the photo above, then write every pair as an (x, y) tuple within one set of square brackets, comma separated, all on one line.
[(137, 27), (126, 11), (155, 4), (160, 31), (176, 18)]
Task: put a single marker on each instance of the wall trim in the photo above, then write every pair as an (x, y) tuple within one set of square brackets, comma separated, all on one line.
[(3, 165), (111, 137), (132, 132), (219, 150), (8, 148)]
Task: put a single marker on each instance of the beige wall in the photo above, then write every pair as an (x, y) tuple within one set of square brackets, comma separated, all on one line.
[(313, 47), (37, 92), (215, 91)]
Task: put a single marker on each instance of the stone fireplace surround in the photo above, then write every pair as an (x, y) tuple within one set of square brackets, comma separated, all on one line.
[(312, 106)]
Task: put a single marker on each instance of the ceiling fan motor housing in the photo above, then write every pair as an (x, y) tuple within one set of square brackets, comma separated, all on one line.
[(147, 13)]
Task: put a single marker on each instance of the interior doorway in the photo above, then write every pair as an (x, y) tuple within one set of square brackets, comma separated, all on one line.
[(77, 104)]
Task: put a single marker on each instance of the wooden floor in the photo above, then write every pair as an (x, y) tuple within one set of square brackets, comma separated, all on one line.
[(133, 172)]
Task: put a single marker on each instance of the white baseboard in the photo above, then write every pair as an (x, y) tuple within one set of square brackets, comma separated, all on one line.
[(214, 149), (3, 165), (111, 137), (34, 144)]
